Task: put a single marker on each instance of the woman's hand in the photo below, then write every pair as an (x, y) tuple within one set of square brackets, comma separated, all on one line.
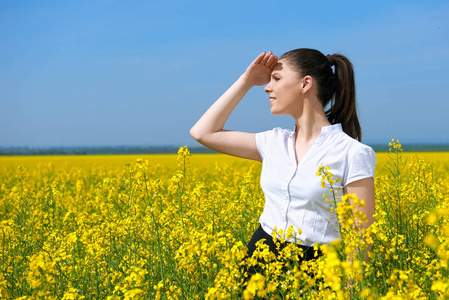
[(259, 71), (209, 128)]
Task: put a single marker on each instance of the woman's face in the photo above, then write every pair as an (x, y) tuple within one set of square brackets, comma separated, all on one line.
[(285, 90)]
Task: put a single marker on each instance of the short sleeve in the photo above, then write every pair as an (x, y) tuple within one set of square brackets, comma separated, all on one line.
[(261, 142), (361, 164), (265, 138)]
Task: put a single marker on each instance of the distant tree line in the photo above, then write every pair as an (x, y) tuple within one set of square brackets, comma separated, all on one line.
[(100, 150), (173, 149)]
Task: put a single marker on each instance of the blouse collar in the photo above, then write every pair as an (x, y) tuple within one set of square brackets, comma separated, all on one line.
[(335, 128), (326, 130)]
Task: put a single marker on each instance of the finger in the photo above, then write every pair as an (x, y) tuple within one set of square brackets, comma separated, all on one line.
[(259, 58), (270, 60), (275, 62), (265, 58)]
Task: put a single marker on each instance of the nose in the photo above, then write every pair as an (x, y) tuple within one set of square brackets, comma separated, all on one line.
[(267, 88)]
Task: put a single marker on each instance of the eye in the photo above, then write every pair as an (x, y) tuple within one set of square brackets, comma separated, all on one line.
[(276, 78)]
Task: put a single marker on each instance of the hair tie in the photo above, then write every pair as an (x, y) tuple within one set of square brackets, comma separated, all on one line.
[(330, 59)]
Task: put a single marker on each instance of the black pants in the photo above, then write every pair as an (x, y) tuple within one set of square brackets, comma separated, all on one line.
[(259, 234), (308, 252)]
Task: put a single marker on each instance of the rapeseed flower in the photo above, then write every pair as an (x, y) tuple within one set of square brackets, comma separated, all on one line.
[(176, 227)]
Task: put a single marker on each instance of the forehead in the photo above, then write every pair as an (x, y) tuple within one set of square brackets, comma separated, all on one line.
[(282, 66)]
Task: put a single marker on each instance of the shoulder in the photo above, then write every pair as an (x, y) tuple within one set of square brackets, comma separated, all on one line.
[(275, 133), (273, 139), (358, 149), (360, 160), (351, 146)]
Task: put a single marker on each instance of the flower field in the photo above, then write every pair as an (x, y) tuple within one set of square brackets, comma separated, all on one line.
[(176, 227)]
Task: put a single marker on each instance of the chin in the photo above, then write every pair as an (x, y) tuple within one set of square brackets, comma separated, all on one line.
[(275, 112)]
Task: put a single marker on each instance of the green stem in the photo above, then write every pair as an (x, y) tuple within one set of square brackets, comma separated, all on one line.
[(156, 226)]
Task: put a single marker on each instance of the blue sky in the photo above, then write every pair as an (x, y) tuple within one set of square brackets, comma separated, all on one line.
[(105, 73)]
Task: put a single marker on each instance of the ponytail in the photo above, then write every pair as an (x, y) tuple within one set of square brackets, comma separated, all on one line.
[(343, 106), (336, 88)]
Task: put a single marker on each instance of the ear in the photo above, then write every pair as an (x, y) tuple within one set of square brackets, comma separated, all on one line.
[(307, 84)]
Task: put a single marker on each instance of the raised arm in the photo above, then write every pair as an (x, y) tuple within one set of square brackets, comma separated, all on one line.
[(209, 131)]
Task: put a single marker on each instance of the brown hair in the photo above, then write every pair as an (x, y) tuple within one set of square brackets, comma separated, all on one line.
[(337, 87)]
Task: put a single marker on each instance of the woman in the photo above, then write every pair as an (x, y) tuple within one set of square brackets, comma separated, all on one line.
[(300, 84)]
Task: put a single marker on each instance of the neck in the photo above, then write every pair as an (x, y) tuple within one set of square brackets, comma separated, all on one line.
[(310, 122)]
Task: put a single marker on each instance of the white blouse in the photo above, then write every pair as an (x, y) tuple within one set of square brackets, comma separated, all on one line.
[(293, 192)]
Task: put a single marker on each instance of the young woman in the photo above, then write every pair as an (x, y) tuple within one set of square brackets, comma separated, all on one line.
[(300, 84)]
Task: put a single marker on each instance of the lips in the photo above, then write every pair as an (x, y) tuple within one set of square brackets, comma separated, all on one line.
[(272, 99)]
